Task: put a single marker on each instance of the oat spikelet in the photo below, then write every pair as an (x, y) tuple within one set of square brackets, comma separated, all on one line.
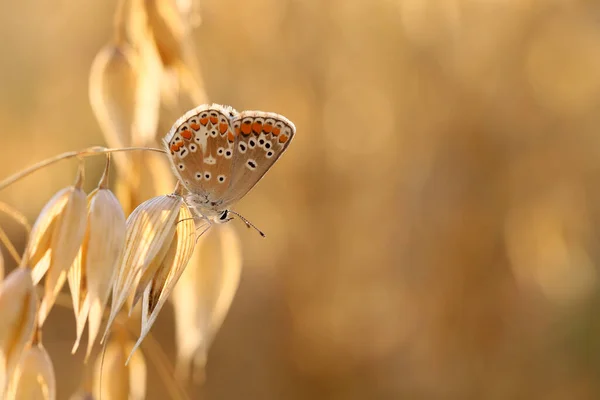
[(120, 381), (98, 259), (157, 287), (149, 227), (18, 304), (171, 27), (112, 90), (203, 296), (55, 241), (34, 377)]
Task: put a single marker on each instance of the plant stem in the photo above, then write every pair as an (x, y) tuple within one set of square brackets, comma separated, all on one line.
[(88, 152)]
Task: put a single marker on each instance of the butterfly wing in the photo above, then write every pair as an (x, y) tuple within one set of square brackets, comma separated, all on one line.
[(201, 146), (260, 139)]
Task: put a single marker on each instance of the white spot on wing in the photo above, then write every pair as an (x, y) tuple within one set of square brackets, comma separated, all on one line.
[(251, 164)]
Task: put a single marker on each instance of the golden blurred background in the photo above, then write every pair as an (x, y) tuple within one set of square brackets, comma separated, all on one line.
[(431, 232)]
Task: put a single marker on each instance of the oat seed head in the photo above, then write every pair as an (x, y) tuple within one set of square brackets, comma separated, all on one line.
[(34, 376), (156, 290), (112, 91), (18, 305), (148, 228), (55, 241), (120, 381), (203, 295), (106, 240)]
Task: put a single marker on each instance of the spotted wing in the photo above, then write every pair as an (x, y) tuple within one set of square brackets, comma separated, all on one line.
[(201, 146), (260, 139)]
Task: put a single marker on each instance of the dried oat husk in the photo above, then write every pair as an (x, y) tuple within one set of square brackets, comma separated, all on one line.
[(171, 27), (18, 305), (203, 296), (92, 275), (120, 381), (34, 376), (150, 228), (157, 285), (55, 240)]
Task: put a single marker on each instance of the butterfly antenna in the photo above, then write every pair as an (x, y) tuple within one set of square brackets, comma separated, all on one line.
[(248, 223)]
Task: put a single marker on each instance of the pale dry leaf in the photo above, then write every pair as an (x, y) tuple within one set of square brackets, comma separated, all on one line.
[(18, 305), (204, 295), (148, 228), (34, 376), (166, 276)]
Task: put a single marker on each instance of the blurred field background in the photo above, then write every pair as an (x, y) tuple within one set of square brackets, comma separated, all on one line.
[(432, 232)]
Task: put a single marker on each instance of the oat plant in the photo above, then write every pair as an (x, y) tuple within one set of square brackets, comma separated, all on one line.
[(130, 240)]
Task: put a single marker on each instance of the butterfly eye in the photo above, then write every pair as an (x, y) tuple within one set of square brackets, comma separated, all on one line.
[(223, 215)]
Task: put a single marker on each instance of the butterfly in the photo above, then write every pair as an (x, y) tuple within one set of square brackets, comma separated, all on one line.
[(219, 154)]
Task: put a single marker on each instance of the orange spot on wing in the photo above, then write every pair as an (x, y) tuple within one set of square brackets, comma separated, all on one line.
[(283, 139), (174, 147), (195, 126), (204, 121), (246, 129), (186, 134), (237, 130), (230, 136), (267, 128), (222, 127), (276, 131), (213, 120), (257, 127)]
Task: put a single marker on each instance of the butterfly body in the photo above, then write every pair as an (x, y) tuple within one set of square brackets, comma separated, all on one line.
[(219, 154)]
